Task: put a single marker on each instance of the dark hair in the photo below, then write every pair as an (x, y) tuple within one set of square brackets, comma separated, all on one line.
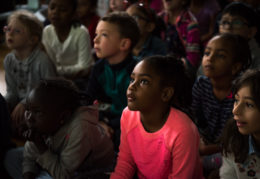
[(232, 140), (173, 73), (126, 25), (242, 10), (146, 11), (93, 4), (240, 49), (60, 92)]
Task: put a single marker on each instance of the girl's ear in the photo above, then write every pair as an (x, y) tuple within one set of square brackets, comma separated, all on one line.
[(167, 94), (236, 68), (125, 44)]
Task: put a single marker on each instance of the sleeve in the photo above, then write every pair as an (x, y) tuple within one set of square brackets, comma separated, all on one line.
[(46, 39), (11, 96), (125, 167), (185, 155), (196, 104), (47, 68), (64, 164), (227, 170), (193, 44), (29, 158), (85, 59)]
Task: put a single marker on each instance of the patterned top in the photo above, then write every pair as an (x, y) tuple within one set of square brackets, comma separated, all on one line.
[(249, 169), (210, 113), (188, 37), (22, 75)]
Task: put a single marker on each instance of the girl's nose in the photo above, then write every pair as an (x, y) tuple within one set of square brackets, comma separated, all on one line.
[(237, 108), (96, 39)]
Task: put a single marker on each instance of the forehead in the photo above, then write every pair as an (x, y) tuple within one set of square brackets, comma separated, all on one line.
[(107, 26), (229, 16), (144, 67), (219, 43), (61, 3)]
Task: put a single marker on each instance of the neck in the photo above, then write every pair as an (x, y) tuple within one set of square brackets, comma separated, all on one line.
[(63, 32), (23, 53), (117, 58), (221, 87), (153, 120)]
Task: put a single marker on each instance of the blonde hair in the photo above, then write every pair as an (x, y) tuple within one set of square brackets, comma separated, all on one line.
[(30, 21)]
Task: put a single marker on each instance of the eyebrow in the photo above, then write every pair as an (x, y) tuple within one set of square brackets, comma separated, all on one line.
[(219, 50), (143, 74), (246, 97)]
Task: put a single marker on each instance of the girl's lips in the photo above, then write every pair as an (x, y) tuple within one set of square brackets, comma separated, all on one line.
[(130, 97), (241, 124), (208, 67)]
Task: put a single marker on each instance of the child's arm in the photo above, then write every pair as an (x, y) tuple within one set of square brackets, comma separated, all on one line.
[(125, 167), (227, 170), (11, 96)]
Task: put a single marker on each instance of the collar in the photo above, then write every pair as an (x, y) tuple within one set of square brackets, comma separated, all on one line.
[(252, 148)]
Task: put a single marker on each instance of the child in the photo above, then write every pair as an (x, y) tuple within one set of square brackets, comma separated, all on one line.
[(157, 139), (182, 32), (239, 18), (27, 63), (116, 35), (241, 137), (148, 43), (64, 139), (67, 42), (225, 56), (88, 16)]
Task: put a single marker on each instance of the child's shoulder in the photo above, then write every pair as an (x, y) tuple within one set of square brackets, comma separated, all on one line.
[(130, 119)]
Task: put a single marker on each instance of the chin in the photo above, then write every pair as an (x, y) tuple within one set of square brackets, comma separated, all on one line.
[(132, 108)]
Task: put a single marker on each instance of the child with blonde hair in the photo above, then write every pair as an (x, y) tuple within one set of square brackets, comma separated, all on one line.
[(27, 63)]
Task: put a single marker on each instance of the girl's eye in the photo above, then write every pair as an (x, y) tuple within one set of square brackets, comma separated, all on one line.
[(144, 82), (131, 80), (249, 105), (221, 55), (206, 53)]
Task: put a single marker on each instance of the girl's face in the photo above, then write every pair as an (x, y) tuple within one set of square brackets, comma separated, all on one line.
[(41, 116), (60, 13), (144, 92), (83, 8), (142, 21), (236, 25), (246, 113), (218, 57), (116, 5), (17, 35)]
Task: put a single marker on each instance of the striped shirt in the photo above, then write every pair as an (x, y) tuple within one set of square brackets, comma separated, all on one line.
[(210, 114)]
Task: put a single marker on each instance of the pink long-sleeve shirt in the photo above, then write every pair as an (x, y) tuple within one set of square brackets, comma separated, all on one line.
[(171, 152)]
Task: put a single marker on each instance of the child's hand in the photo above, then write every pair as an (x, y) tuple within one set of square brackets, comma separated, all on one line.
[(18, 122), (108, 130), (37, 138)]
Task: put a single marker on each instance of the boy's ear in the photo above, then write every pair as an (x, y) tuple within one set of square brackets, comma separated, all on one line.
[(34, 40), (253, 31), (125, 44), (236, 68), (167, 94)]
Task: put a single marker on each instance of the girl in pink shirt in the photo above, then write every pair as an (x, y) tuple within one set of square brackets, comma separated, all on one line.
[(158, 140)]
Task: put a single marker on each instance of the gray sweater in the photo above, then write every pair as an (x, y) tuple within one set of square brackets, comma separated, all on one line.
[(22, 75)]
